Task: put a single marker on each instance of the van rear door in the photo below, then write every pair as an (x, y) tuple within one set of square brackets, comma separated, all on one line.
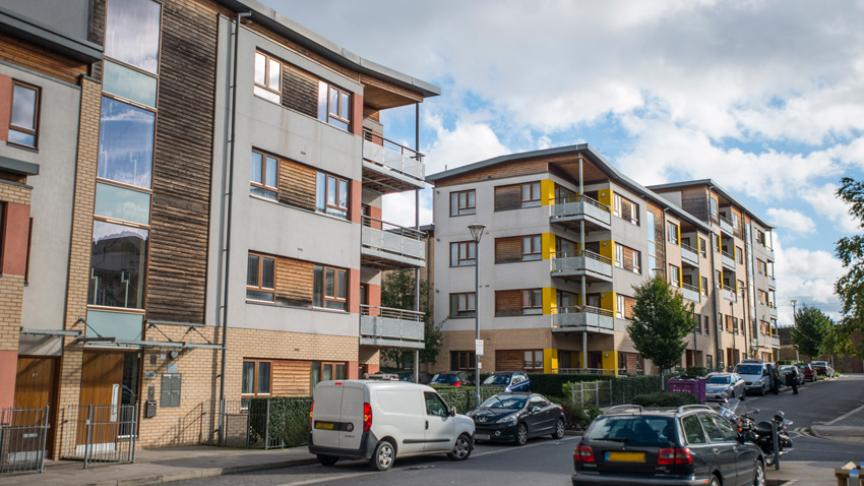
[(327, 415), (353, 401)]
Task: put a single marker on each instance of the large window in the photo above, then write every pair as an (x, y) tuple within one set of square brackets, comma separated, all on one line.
[(126, 143), (132, 33), (263, 171), (24, 115), (462, 360), (325, 371), (260, 277), (334, 105), (463, 305), (117, 262), (532, 302), (532, 360), (516, 196), (674, 275), (331, 196), (463, 202), (628, 258), (531, 194), (625, 209), (463, 254), (672, 233), (330, 288), (268, 77), (625, 306), (256, 378), (531, 248)]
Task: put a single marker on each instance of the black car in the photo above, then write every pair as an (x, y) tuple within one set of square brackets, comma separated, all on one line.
[(516, 417), (451, 378), (688, 446)]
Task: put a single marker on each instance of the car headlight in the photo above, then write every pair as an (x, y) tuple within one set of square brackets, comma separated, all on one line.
[(510, 419)]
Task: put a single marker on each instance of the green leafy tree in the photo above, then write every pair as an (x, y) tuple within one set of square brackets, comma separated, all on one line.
[(812, 327), (397, 291), (850, 287), (661, 323)]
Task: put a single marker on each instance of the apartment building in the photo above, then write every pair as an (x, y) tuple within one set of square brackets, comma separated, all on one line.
[(192, 194), (567, 238)]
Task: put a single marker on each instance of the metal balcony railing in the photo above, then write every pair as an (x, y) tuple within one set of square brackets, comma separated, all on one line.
[(727, 258), (387, 326), (391, 155), (729, 294), (584, 262), (389, 238), (581, 206), (689, 254), (690, 292), (726, 225), (585, 318)]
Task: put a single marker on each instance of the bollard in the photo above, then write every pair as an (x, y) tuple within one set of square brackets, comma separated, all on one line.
[(775, 436)]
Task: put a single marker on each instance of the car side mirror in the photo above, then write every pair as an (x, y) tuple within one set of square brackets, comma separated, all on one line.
[(451, 411)]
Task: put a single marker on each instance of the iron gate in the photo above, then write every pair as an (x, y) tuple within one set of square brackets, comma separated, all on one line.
[(23, 437), (99, 433)]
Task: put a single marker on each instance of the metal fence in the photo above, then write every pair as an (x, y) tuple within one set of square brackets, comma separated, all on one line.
[(606, 393), (23, 437), (249, 426), (99, 433)]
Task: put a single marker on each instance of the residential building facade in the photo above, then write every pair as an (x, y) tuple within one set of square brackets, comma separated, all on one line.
[(567, 238)]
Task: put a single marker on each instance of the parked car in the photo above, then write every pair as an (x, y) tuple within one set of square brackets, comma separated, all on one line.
[(383, 377), (517, 417), (724, 386), (822, 368), (756, 375), (381, 421), (408, 375), (786, 370), (691, 445), (512, 381), (807, 371), (451, 378)]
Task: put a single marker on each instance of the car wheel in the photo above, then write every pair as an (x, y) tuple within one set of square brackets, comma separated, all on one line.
[(462, 449), (521, 434), (326, 460), (384, 455), (715, 481), (559, 429), (759, 476)]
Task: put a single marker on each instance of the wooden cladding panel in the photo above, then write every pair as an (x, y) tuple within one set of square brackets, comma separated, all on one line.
[(508, 360), (291, 378), (294, 280), (508, 302), (695, 202), (177, 274), (297, 184), (39, 59), (508, 249), (508, 197), (629, 306), (498, 171), (299, 91)]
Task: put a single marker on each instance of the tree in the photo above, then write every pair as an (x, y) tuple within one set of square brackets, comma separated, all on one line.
[(397, 291), (812, 327), (661, 322), (850, 251)]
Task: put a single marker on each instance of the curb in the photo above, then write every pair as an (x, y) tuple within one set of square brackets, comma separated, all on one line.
[(206, 473)]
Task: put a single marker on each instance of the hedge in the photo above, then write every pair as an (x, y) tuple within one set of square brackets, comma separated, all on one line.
[(462, 398), (288, 421), (553, 384), (664, 399)]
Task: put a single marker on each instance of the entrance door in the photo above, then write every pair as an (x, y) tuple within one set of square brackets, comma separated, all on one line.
[(101, 386), (34, 390)]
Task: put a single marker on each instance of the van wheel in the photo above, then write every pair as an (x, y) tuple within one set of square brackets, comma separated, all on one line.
[(326, 460), (384, 455), (462, 448), (759, 478), (559, 429), (521, 434), (715, 481)]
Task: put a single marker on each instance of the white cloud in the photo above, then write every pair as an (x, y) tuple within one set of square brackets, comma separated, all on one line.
[(466, 142), (807, 276), (791, 220), (399, 208), (827, 204)]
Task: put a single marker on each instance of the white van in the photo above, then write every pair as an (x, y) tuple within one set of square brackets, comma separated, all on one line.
[(382, 420)]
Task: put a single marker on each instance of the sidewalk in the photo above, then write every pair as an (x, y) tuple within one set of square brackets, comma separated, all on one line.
[(155, 466), (802, 473)]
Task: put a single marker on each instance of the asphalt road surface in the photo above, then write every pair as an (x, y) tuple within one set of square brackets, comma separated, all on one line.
[(549, 462)]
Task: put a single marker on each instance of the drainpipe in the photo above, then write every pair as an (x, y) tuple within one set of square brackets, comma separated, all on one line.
[(417, 227), (713, 250), (230, 196)]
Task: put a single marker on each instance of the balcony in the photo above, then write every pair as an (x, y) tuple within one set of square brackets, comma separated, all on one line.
[(726, 226), (388, 246), (390, 167), (729, 294), (391, 328), (582, 208), (689, 254), (583, 318), (690, 292), (772, 309), (727, 259), (588, 264)]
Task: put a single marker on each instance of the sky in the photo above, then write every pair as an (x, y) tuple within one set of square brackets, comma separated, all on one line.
[(766, 97)]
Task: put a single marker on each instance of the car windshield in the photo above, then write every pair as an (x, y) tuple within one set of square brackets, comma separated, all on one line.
[(642, 430), (750, 369), (719, 380), (509, 402), (497, 380), (444, 378)]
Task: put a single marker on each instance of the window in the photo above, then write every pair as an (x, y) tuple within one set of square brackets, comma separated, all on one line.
[(262, 176), (132, 33), (739, 255), (125, 143), (761, 267), (463, 254), (709, 361), (703, 247), (704, 285), (256, 378), (24, 115), (330, 287), (565, 248), (260, 277), (531, 248), (674, 276), (625, 209), (463, 202), (532, 360), (770, 269), (334, 105), (619, 307), (763, 297), (624, 306), (706, 324), (331, 195), (693, 430), (672, 233), (532, 301), (742, 289), (531, 194), (717, 245), (435, 406), (268, 77), (117, 264), (627, 258), (714, 208), (325, 371), (463, 305), (462, 360)]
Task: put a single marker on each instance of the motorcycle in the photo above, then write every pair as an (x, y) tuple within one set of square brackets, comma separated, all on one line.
[(762, 433)]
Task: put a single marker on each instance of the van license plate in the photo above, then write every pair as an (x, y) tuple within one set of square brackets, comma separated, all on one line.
[(625, 457), (325, 425)]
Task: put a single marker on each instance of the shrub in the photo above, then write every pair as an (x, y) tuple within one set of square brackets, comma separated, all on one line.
[(288, 422), (550, 384), (577, 417), (462, 398), (664, 399)]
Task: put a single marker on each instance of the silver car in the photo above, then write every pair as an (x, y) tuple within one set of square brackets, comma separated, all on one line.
[(724, 386)]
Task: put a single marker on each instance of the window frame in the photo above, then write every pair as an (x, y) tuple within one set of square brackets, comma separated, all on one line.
[(618, 203), (256, 378), (462, 314), (674, 275), (467, 261), (266, 87), (457, 357), (335, 298), (532, 201), (37, 105), (325, 88), (460, 210), (532, 302), (263, 184), (534, 362), (672, 236), (324, 206), (260, 278), (533, 254)]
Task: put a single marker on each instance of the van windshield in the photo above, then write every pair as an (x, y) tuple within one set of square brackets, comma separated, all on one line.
[(752, 369)]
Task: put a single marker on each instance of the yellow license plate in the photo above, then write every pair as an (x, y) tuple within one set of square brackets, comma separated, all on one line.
[(625, 457), (325, 425)]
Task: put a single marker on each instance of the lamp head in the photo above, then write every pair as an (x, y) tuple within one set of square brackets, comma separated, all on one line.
[(476, 231)]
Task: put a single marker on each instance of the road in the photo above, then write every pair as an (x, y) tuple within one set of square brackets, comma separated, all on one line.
[(548, 462)]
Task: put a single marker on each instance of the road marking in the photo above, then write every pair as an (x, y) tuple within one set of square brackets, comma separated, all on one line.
[(335, 477), (845, 415)]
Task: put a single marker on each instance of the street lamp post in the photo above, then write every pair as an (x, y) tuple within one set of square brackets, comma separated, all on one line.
[(795, 323), (477, 233)]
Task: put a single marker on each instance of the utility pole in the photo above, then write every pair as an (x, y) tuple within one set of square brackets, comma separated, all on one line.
[(795, 323), (477, 233)]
